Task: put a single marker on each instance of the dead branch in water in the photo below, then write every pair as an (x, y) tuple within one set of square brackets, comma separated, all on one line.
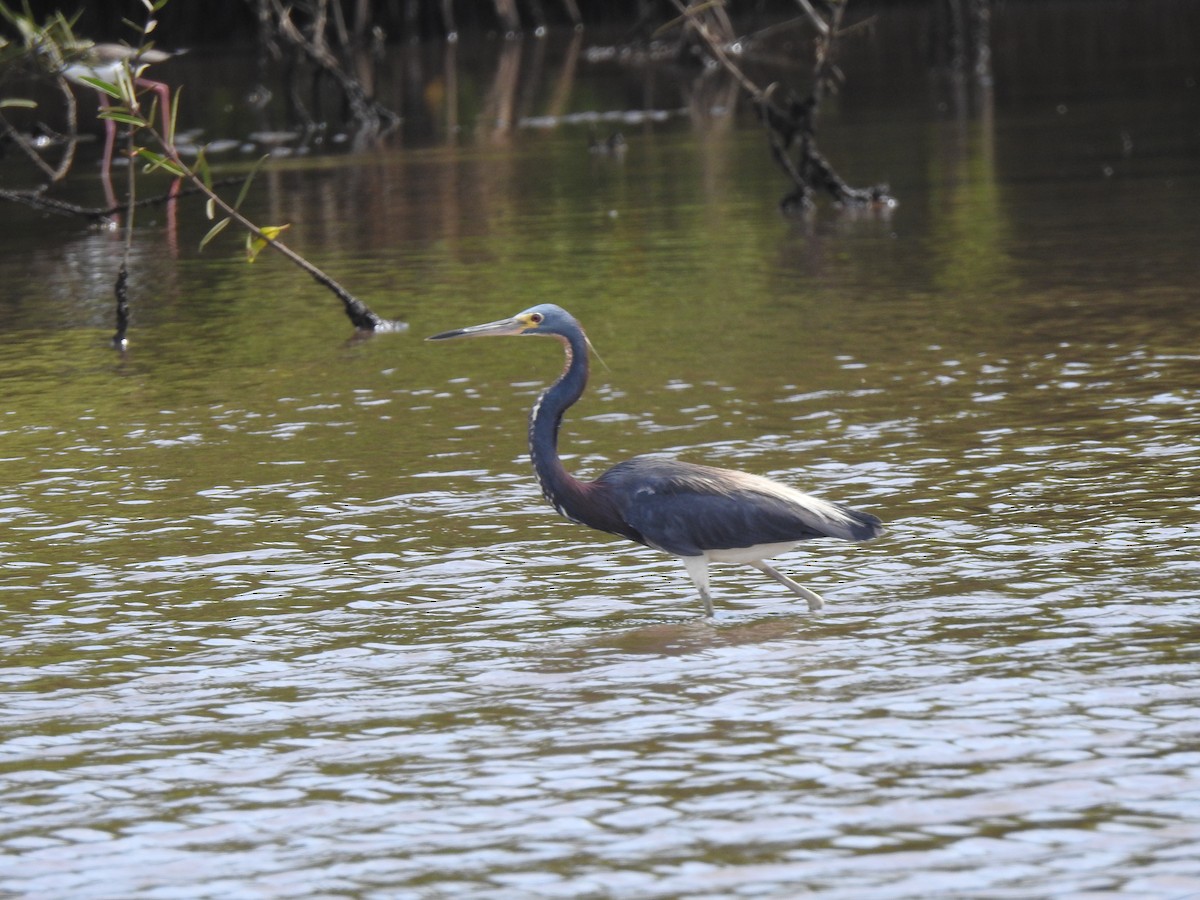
[(335, 60), (43, 45), (791, 121), (37, 199)]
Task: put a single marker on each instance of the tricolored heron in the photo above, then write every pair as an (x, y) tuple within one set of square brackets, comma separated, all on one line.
[(699, 513)]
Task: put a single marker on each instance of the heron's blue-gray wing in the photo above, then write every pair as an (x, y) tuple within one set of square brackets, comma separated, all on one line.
[(687, 509)]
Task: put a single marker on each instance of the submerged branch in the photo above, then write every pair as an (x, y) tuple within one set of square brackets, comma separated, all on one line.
[(120, 338), (791, 120), (37, 199), (360, 315)]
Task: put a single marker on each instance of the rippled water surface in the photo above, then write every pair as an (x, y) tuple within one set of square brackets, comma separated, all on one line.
[(284, 614)]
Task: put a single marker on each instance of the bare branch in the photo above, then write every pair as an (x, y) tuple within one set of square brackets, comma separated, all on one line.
[(690, 14), (790, 120), (371, 115), (821, 25)]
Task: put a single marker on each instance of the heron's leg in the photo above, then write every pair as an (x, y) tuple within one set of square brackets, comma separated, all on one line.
[(814, 600), (697, 569), (164, 107), (110, 140), (164, 102)]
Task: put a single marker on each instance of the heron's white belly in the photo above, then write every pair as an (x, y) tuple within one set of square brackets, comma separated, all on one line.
[(749, 554)]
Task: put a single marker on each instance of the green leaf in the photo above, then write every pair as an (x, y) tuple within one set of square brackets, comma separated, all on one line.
[(174, 117), (158, 161), (175, 169), (151, 114), (246, 184), (118, 115), (213, 232), (106, 87), (23, 104), (150, 155), (203, 169)]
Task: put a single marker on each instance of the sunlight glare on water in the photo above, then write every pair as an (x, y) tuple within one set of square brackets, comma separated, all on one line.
[(286, 614)]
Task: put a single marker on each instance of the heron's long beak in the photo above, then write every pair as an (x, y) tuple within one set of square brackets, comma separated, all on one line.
[(492, 329)]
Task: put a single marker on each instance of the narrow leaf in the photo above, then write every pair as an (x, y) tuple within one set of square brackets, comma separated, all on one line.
[(106, 87), (246, 184), (152, 112), (174, 117), (117, 115), (23, 104), (204, 170), (213, 232), (158, 161), (151, 156), (200, 167), (175, 169)]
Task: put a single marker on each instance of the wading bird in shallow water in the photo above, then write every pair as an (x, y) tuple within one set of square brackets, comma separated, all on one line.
[(695, 512)]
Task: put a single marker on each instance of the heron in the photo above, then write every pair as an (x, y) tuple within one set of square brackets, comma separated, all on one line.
[(113, 63), (698, 513)]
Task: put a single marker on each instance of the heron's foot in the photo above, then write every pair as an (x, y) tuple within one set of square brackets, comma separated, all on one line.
[(815, 601)]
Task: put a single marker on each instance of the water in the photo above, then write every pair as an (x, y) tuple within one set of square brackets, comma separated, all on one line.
[(286, 616)]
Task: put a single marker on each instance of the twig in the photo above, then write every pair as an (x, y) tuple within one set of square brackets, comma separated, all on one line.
[(358, 312), (37, 199), (820, 23), (688, 14), (54, 174), (120, 338), (791, 122), (823, 69), (366, 111)]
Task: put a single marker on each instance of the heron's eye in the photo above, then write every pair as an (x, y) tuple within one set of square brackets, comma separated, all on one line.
[(536, 318)]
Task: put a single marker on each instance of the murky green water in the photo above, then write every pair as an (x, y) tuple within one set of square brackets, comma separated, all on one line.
[(286, 616)]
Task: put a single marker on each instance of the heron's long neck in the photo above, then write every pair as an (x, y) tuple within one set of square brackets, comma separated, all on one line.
[(559, 485)]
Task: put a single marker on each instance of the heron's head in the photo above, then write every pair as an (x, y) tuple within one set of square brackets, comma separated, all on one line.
[(543, 319)]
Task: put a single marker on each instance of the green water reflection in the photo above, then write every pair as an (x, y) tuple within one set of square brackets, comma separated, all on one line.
[(286, 606)]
